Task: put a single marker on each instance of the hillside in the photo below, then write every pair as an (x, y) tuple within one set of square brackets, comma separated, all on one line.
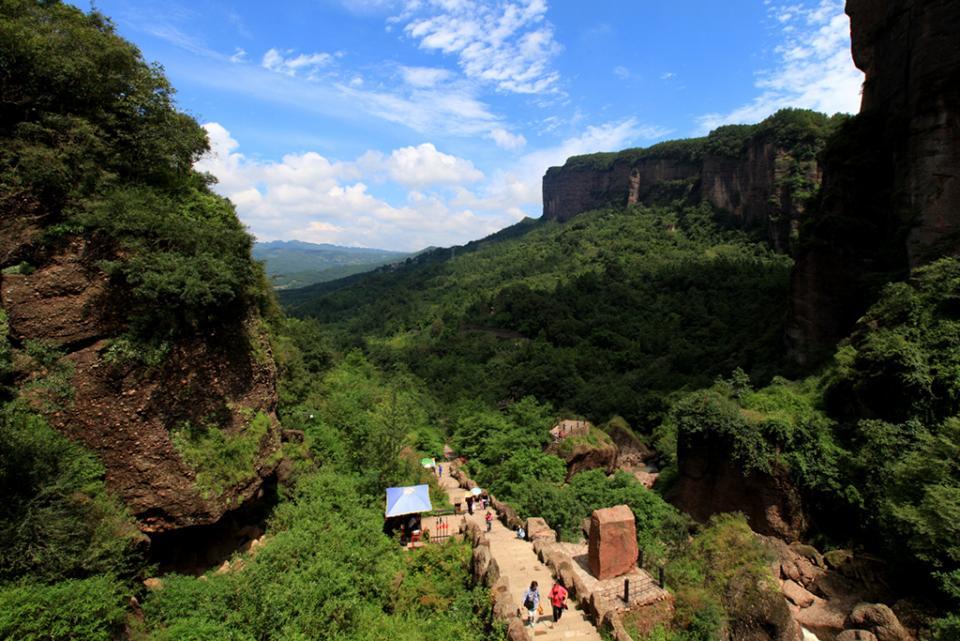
[(294, 263), (752, 340), (605, 314)]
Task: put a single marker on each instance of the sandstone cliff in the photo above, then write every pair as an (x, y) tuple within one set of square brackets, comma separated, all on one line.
[(710, 481), (126, 410), (761, 175), (891, 195)]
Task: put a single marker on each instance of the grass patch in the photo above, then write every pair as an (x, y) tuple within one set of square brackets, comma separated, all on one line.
[(220, 459)]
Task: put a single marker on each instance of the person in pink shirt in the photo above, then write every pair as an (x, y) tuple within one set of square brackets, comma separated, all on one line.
[(558, 599)]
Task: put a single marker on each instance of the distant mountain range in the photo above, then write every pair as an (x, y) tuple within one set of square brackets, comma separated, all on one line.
[(294, 263)]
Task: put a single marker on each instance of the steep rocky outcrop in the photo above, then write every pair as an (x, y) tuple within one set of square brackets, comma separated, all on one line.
[(710, 481), (891, 190), (590, 449), (123, 409), (758, 176)]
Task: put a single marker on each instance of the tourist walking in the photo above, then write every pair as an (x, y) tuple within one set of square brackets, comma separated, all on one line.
[(489, 519), (531, 601), (558, 599), (440, 470)]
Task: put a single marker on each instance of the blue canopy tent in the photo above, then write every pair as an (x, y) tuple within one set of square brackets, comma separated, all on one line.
[(413, 499)]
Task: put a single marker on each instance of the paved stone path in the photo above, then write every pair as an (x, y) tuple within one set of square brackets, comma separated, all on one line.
[(519, 563)]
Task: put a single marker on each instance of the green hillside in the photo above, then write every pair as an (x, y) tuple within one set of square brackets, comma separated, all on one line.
[(607, 314), (296, 263)]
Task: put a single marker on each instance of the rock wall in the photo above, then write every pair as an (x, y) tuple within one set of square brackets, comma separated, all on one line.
[(710, 482), (749, 187), (124, 411), (891, 194)]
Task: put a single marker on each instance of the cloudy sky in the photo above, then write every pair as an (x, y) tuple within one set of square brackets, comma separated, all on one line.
[(406, 123)]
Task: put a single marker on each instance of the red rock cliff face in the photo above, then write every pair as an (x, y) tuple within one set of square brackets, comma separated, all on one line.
[(891, 195), (124, 412), (908, 50), (711, 482), (750, 187)]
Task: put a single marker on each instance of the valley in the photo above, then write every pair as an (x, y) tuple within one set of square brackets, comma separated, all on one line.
[(748, 341)]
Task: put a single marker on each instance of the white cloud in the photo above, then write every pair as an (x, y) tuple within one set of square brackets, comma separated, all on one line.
[(239, 55), (815, 69), (667, 75), (290, 65), (421, 166), (506, 140), (508, 44), (435, 111), (310, 197), (621, 72), (422, 77)]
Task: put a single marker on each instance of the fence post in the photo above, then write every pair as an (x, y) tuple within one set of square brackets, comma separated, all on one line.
[(626, 591), (661, 576)]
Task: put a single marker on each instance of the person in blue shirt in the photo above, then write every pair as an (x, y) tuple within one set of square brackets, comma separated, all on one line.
[(531, 600)]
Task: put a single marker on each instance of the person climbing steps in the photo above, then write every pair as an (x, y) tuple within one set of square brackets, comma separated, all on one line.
[(558, 599)]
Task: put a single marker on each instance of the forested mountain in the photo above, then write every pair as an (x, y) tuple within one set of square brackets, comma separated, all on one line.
[(607, 314), (294, 263), (762, 324)]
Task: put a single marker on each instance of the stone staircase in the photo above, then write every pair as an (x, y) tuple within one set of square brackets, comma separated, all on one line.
[(516, 565)]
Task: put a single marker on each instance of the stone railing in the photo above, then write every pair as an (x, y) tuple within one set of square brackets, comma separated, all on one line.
[(487, 571), (550, 553)]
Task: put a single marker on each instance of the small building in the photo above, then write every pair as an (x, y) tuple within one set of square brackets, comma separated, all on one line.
[(403, 510)]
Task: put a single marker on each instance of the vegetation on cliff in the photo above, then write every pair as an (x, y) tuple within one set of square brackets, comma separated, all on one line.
[(91, 143), (875, 435), (800, 132)]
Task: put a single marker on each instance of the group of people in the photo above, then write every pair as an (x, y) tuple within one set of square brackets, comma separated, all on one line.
[(482, 502), (558, 601)]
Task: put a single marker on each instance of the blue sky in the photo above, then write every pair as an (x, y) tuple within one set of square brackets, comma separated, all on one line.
[(406, 123)]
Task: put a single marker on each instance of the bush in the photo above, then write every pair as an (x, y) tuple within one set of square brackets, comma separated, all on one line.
[(221, 459), (72, 610), (57, 520), (327, 571)]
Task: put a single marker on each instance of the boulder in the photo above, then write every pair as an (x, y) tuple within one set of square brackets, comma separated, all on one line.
[(538, 528), (856, 635), (836, 559), (612, 549), (808, 552), (516, 631), (878, 619), (153, 583), (756, 612), (797, 595)]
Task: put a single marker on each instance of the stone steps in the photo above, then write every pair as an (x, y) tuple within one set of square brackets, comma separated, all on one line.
[(519, 564)]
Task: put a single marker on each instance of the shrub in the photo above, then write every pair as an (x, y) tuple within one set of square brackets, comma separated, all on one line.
[(221, 459), (73, 610), (57, 519)]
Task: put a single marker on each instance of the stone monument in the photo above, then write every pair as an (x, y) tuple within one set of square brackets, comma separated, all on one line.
[(613, 542)]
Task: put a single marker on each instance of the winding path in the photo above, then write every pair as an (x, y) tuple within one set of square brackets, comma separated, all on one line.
[(519, 563)]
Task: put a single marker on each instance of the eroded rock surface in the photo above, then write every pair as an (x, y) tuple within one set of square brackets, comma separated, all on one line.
[(891, 179), (124, 410), (612, 548)]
